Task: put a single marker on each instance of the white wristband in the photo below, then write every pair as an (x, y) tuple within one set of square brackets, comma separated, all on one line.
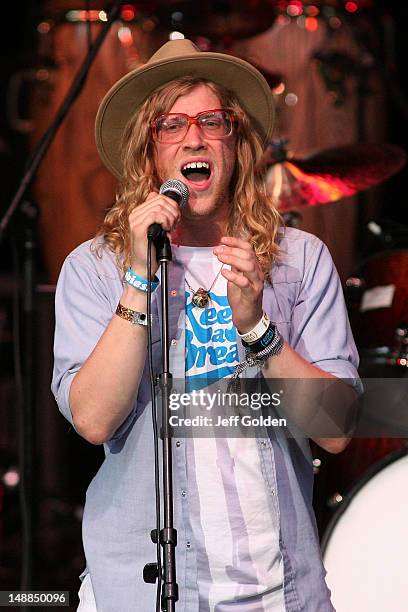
[(256, 332)]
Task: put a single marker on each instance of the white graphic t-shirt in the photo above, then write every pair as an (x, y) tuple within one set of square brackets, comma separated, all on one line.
[(239, 564), (211, 345)]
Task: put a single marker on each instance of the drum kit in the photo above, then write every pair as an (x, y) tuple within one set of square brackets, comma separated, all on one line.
[(365, 531)]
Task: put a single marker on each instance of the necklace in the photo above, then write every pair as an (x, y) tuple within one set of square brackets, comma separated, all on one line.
[(201, 297)]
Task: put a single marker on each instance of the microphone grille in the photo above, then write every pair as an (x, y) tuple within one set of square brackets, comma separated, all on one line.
[(178, 188)]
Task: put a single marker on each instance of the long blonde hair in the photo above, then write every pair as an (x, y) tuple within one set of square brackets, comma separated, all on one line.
[(252, 216)]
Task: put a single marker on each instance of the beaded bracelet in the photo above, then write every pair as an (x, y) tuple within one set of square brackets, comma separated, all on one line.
[(136, 281), (259, 358)]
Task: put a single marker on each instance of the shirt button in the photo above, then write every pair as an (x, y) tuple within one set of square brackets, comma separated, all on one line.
[(188, 544), (183, 493), (178, 443), (173, 342)]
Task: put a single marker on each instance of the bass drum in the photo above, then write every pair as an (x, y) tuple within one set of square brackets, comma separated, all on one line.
[(377, 299), (365, 547)]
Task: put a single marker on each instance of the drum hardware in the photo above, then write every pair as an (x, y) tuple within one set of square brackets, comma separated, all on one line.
[(401, 348), (340, 473), (387, 237), (316, 465), (10, 477), (335, 500), (395, 355), (355, 282), (389, 234)]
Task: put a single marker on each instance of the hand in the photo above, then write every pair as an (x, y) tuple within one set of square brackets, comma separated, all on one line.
[(245, 281), (157, 208)]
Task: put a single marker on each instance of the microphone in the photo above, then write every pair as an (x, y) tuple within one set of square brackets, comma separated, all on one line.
[(177, 191)]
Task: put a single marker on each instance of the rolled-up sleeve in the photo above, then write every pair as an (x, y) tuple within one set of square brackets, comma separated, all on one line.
[(82, 311), (320, 328)]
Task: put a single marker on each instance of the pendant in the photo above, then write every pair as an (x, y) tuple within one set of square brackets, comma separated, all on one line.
[(201, 298)]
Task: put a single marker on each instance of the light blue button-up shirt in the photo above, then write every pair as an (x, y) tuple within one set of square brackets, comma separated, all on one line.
[(305, 301)]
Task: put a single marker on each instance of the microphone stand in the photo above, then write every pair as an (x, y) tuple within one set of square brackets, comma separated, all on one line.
[(27, 453), (168, 535)]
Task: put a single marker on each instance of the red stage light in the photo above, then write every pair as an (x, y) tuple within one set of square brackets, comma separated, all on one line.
[(128, 12), (294, 9), (311, 24), (351, 7)]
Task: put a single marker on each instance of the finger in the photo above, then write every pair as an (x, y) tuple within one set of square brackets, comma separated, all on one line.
[(238, 251), (157, 215), (236, 242), (247, 266), (152, 195), (154, 208), (240, 280), (138, 215), (157, 198)]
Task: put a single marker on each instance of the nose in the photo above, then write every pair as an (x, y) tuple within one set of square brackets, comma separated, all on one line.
[(194, 138)]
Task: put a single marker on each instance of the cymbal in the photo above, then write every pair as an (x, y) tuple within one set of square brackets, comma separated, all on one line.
[(329, 175)]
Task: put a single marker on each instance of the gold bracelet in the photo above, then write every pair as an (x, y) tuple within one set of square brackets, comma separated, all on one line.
[(137, 318)]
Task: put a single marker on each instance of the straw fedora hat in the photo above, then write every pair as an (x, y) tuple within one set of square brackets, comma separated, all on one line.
[(174, 59)]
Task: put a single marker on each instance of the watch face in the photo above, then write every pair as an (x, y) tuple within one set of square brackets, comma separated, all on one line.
[(140, 318)]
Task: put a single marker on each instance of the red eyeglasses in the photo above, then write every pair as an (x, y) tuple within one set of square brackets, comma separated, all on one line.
[(171, 128)]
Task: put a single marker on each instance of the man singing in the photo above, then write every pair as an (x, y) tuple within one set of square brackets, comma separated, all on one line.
[(238, 281)]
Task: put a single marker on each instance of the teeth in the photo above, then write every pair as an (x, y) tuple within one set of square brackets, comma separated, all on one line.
[(193, 165)]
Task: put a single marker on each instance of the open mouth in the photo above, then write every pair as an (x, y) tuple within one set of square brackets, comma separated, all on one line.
[(196, 171)]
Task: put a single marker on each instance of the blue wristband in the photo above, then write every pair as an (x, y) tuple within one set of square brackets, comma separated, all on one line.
[(136, 281)]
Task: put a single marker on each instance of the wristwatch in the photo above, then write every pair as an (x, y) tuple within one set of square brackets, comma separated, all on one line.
[(135, 317)]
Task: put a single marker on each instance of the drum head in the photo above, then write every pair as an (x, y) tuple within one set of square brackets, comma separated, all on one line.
[(378, 302), (365, 549)]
